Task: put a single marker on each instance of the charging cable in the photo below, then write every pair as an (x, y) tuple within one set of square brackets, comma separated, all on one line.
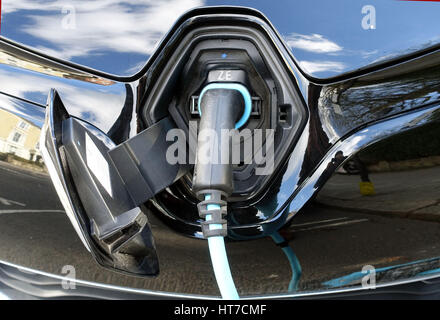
[(222, 106)]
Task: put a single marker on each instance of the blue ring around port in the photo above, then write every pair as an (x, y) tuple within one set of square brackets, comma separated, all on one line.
[(231, 86)]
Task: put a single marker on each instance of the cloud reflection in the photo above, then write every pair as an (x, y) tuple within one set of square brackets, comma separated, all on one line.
[(101, 107), (313, 43), (113, 25), (313, 67)]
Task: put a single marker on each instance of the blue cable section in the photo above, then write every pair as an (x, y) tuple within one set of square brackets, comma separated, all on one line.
[(219, 259), (357, 276), (231, 86), (293, 260)]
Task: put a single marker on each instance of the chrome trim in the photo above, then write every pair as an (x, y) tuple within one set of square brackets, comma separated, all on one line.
[(18, 55), (165, 295), (52, 160), (349, 146), (110, 287)]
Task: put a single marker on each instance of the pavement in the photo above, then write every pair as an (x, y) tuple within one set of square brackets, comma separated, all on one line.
[(413, 194)]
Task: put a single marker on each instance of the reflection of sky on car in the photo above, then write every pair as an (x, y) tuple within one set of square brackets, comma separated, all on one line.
[(98, 104), (326, 37), (34, 115)]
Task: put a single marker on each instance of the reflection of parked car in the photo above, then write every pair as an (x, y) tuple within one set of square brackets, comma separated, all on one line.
[(97, 102)]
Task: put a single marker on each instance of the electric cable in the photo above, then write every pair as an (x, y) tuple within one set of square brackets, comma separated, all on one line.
[(222, 106)]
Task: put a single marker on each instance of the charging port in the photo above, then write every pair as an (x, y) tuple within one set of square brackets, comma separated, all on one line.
[(234, 54)]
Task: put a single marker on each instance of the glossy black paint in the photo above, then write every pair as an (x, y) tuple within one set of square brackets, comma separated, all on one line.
[(326, 38), (334, 111), (50, 242), (407, 107)]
